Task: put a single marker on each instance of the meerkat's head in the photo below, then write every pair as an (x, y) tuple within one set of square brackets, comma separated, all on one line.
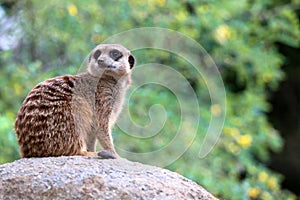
[(111, 59)]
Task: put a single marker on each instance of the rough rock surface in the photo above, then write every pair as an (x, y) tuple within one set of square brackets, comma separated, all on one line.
[(91, 178)]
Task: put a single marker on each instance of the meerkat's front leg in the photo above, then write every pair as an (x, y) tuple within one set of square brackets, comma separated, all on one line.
[(106, 141)]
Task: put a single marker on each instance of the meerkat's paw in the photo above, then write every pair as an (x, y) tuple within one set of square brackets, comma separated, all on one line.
[(104, 154)]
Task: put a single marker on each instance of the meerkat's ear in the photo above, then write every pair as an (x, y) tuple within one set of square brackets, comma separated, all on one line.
[(131, 61)]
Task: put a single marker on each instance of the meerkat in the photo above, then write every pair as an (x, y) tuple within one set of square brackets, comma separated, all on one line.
[(65, 115)]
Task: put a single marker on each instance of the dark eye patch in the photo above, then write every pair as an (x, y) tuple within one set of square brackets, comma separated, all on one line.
[(115, 54), (97, 54)]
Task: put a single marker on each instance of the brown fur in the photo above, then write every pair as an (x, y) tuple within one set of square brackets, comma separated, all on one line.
[(65, 115)]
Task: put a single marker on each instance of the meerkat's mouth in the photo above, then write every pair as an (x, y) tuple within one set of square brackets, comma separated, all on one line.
[(107, 66)]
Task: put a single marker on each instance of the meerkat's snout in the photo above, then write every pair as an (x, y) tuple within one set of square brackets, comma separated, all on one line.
[(106, 63)]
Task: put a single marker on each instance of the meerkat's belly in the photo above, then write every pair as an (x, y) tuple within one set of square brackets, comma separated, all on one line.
[(83, 115)]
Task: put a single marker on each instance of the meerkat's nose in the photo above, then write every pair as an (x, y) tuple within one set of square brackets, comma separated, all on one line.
[(100, 61)]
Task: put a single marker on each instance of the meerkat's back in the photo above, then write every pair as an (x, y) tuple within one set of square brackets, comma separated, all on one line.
[(44, 124)]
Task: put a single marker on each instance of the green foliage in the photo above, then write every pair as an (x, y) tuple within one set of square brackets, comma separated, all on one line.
[(240, 35)]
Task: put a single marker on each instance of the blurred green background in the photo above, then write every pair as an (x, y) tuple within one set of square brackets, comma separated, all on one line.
[(42, 39)]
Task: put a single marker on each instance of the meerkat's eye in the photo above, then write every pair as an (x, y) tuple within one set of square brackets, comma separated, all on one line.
[(115, 54), (131, 61), (97, 54)]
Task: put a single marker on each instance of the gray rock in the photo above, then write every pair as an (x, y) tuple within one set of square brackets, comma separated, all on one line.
[(77, 177)]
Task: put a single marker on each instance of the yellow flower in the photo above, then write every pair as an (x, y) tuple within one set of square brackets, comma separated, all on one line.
[(233, 148), (216, 109), (272, 184), (267, 78), (244, 140), (181, 15), (160, 2), (263, 176), (72, 10), (253, 192), (222, 33), (234, 132)]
